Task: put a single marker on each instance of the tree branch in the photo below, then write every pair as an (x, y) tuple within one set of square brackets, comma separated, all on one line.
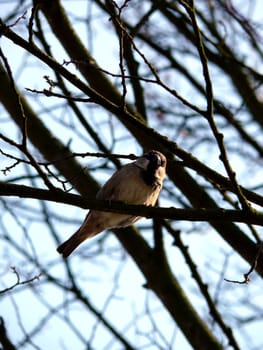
[(4, 339), (203, 214)]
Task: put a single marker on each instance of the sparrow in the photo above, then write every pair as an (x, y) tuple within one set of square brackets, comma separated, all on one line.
[(139, 182)]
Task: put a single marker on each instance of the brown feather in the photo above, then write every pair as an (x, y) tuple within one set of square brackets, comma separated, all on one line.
[(66, 248)]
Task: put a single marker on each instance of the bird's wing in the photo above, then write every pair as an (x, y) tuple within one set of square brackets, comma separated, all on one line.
[(109, 191), (118, 183)]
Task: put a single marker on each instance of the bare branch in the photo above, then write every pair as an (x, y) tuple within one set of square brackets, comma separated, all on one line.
[(252, 268), (18, 281), (56, 195)]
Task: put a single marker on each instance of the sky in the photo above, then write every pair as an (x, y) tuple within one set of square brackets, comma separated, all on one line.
[(96, 275)]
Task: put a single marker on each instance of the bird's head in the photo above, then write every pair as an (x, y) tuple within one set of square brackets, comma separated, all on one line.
[(153, 166), (152, 159)]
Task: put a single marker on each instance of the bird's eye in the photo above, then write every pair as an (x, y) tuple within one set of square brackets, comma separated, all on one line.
[(155, 158)]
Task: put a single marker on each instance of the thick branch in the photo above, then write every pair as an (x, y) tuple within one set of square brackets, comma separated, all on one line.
[(203, 214), (4, 339)]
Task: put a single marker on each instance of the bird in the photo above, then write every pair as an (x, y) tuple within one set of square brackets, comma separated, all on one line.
[(138, 182)]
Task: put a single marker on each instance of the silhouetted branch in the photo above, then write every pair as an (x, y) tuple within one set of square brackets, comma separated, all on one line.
[(18, 281), (4, 339), (222, 215)]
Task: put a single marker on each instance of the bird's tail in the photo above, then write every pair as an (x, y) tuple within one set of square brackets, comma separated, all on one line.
[(66, 248), (83, 233), (90, 227)]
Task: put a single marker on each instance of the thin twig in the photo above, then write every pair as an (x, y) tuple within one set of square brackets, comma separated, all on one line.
[(190, 8), (202, 286), (18, 281), (252, 268), (50, 93)]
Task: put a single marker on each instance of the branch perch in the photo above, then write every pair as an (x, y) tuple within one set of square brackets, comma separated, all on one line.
[(202, 214)]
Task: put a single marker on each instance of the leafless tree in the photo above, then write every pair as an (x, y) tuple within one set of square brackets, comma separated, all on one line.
[(87, 86)]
